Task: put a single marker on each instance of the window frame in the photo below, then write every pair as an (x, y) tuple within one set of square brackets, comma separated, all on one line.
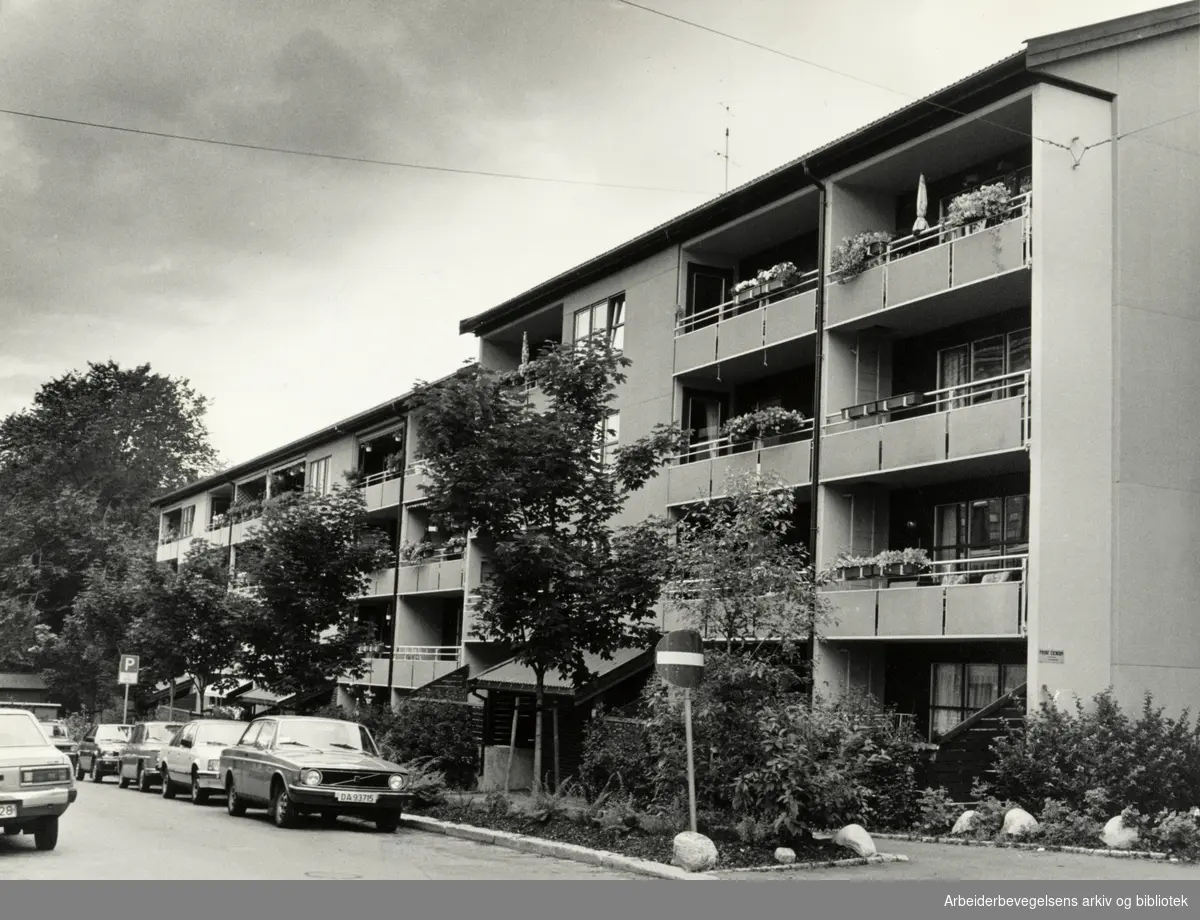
[(953, 401), (323, 464), (611, 321), (964, 546), (607, 443), (1004, 674)]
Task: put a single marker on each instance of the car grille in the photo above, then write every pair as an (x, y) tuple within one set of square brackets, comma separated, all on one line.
[(350, 778)]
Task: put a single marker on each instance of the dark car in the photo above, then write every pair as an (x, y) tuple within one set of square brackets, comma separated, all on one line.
[(140, 757), (100, 751), (297, 765), (60, 737)]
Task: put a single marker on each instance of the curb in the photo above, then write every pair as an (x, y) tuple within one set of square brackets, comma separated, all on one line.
[(1035, 847), (828, 864), (553, 848)]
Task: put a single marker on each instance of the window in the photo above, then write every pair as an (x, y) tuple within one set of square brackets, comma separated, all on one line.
[(608, 438), (994, 356), (266, 737), (187, 521), (958, 689), (251, 734), (318, 476), (604, 318), (981, 528)]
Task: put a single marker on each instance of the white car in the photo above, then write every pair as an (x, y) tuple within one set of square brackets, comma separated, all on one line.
[(193, 757), (36, 779)]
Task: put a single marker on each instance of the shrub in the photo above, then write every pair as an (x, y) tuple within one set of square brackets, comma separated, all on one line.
[(1152, 763), (936, 813), (852, 256), (427, 785), (616, 751), (1171, 832), (1062, 825)]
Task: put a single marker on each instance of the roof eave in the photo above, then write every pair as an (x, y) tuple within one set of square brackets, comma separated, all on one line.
[(1100, 36)]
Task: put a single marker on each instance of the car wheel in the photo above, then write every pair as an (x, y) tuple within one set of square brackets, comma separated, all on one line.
[(199, 796), (386, 822), (233, 802), (96, 776), (79, 774), (11, 830), (167, 791), (145, 779), (283, 812), (46, 835), (122, 781)]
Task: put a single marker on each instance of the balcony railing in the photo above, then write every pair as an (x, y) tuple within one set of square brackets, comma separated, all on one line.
[(1019, 206), (725, 446), (451, 653), (806, 281), (410, 666), (375, 479), (979, 596), (440, 554)]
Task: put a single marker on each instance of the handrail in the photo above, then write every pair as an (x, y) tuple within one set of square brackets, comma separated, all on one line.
[(435, 556), (722, 446), (736, 306), (942, 399), (427, 652), (380, 477)]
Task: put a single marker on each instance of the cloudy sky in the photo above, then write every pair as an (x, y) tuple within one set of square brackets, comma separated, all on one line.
[(295, 291)]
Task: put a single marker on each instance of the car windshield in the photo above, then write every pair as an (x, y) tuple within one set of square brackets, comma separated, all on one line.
[(323, 736), (20, 730), (117, 733), (226, 735), (161, 733)]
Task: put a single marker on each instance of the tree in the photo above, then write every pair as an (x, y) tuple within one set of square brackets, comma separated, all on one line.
[(538, 488), (85, 460), (189, 627), (739, 572), (307, 562)]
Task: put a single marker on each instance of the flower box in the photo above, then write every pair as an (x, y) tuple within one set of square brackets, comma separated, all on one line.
[(902, 569), (857, 572), (903, 401), (855, 412)]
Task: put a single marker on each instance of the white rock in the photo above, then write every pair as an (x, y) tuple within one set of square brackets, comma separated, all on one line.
[(785, 856), (1018, 822), (694, 852), (965, 822), (1195, 812), (854, 837), (1117, 835)]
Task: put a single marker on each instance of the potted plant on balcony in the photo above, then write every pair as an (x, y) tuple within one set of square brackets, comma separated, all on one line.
[(981, 207), (454, 546), (414, 553), (902, 562), (855, 254), (763, 423), (767, 281), (853, 568)]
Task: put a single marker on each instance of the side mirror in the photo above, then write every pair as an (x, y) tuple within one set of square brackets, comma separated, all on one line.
[(185, 742)]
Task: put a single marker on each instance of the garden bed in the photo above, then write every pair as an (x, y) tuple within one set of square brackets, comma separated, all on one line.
[(634, 842)]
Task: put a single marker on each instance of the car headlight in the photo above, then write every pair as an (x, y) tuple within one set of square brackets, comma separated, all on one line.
[(213, 766), (311, 777), (397, 781)]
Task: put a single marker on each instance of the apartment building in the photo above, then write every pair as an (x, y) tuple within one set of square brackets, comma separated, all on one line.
[(997, 382), (1004, 395)]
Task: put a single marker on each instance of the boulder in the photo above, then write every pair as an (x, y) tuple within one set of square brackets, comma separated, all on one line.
[(694, 852), (854, 837), (964, 824), (1117, 835), (785, 856), (1018, 822), (1195, 812)]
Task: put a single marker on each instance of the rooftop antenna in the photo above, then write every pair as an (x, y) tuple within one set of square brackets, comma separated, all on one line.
[(725, 155)]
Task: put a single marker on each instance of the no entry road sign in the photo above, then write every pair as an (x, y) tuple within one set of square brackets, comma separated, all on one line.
[(679, 658)]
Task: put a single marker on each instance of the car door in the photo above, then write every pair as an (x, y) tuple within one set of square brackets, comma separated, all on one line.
[(259, 785), (128, 761), (87, 750), (243, 751), (178, 753)]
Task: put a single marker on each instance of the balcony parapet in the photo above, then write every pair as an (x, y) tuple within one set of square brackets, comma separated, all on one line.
[(703, 470)]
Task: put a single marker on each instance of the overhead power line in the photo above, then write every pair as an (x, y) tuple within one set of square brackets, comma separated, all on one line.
[(398, 164)]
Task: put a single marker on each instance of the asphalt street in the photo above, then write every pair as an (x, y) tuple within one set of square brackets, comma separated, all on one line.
[(112, 833)]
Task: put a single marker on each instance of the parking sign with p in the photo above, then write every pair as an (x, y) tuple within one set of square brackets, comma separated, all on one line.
[(127, 673)]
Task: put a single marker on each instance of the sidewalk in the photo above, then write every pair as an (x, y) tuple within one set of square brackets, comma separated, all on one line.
[(946, 862)]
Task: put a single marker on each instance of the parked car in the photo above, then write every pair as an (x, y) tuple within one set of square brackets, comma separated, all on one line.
[(296, 765), (36, 781), (60, 737), (193, 758), (140, 756), (100, 751)]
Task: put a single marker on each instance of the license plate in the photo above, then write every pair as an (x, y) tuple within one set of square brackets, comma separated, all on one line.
[(8, 809), (365, 797)]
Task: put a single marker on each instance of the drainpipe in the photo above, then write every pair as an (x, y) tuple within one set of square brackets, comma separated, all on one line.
[(818, 415), (396, 573)]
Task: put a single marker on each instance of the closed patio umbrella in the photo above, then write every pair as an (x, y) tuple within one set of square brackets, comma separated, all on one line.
[(920, 225)]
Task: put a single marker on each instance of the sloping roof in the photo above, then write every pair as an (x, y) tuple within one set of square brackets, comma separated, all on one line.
[(13, 681), (517, 678), (1100, 36)]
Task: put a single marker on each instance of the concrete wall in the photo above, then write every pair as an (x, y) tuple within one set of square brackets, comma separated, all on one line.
[(1147, 638)]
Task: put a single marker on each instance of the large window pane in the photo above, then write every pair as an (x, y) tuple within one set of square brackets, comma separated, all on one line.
[(1016, 524), (953, 371), (983, 685), (948, 532), (1014, 676), (942, 720), (1019, 351), (947, 685), (583, 324), (987, 361), (986, 527)]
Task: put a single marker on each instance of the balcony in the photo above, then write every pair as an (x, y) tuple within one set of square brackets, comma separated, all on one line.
[(936, 264), (413, 666), (969, 424), (980, 598), (382, 490), (439, 573), (761, 317), (382, 582), (416, 477), (703, 472)]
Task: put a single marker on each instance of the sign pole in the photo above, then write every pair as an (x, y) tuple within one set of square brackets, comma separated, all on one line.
[(691, 763), (125, 721)]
